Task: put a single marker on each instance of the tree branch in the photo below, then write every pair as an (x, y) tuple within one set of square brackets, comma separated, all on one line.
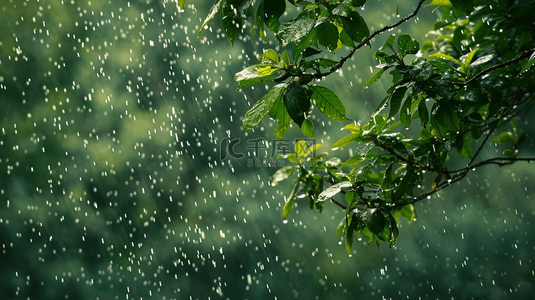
[(521, 56), (367, 40)]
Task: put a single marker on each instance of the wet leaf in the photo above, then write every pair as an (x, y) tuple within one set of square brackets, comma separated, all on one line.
[(355, 26), (211, 14), (297, 102), (333, 190), (375, 77), (327, 35), (262, 107), (279, 112), (282, 174), (396, 99), (328, 103), (502, 138), (407, 45), (273, 10), (308, 128), (298, 28)]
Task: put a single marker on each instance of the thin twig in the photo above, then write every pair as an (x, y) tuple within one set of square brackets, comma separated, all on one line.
[(339, 204), (368, 39), (498, 66)]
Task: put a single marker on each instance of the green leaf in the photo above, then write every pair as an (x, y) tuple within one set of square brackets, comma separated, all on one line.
[(408, 212), (254, 74), (447, 57), (285, 59), (362, 174), (468, 60), (407, 45), (300, 148), (298, 28), (180, 4), (423, 113), (375, 77), (374, 220), (396, 99), (350, 197), (343, 9), (463, 6), (354, 137), (440, 3), (262, 107), (273, 10), (333, 190), (465, 146), (327, 35), (349, 239), (389, 43), (211, 14), (287, 209), (328, 103), (282, 174), (503, 137), (446, 116), (308, 128), (279, 112), (260, 19), (529, 64), (297, 102), (394, 231), (346, 39), (231, 21), (269, 56), (340, 229), (355, 26), (354, 160), (327, 63), (301, 47), (509, 153), (405, 114)]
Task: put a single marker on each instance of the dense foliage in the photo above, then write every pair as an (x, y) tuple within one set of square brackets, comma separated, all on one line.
[(461, 91)]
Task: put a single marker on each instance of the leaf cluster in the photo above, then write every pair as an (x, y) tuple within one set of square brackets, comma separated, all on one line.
[(471, 81)]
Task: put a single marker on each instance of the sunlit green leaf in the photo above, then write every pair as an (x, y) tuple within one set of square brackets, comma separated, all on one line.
[(269, 56), (254, 74), (300, 148), (328, 103), (298, 28), (333, 190), (308, 128), (354, 137), (282, 174), (408, 212), (180, 4)]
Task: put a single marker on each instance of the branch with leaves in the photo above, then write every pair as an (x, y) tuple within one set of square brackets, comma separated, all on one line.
[(433, 90)]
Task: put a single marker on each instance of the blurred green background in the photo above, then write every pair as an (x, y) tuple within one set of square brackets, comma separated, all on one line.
[(112, 186)]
